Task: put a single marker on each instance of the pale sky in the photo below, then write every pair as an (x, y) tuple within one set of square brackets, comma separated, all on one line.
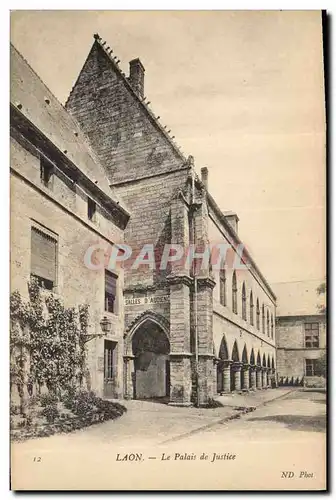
[(242, 92)]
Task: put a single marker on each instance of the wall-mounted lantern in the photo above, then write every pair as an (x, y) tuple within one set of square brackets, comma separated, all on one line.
[(106, 325)]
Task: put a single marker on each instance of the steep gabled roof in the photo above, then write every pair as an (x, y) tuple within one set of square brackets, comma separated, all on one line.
[(37, 103), (129, 139), (114, 62)]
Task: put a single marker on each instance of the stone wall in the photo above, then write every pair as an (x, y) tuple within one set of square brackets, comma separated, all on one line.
[(291, 350), (61, 212)]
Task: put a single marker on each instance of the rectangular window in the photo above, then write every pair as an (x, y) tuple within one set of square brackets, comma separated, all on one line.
[(43, 258), (109, 347), (91, 210), (312, 335), (46, 172), (110, 291), (311, 365)]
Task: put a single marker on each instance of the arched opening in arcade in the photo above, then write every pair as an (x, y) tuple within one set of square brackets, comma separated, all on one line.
[(234, 378), (258, 373), (223, 356), (150, 346), (252, 364), (264, 363), (244, 374), (264, 371)]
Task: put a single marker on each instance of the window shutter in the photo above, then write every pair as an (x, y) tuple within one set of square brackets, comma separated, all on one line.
[(110, 283), (43, 255)]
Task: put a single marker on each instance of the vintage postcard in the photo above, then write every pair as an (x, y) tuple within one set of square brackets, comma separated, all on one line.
[(168, 242)]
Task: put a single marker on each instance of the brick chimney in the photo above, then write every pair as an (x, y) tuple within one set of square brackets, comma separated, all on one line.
[(204, 176), (233, 219), (137, 76)]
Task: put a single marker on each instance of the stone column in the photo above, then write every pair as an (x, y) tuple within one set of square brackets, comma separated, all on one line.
[(204, 338), (264, 378), (180, 379), (253, 378), (180, 282), (128, 382), (269, 378), (180, 364), (259, 380), (237, 375), (226, 376), (202, 296), (205, 378), (246, 377), (217, 368)]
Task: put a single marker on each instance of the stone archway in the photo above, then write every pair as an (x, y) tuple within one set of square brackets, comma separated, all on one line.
[(147, 364), (150, 348)]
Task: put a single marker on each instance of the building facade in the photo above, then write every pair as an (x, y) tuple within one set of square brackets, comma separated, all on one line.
[(188, 334), (301, 343), (61, 204), (188, 323)]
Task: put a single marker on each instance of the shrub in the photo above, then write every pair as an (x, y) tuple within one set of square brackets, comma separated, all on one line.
[(14, 409), (48, 399), (29, 421), (33, 401), (50, 412)]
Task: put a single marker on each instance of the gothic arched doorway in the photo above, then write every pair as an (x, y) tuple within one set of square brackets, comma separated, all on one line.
[(150, 346)]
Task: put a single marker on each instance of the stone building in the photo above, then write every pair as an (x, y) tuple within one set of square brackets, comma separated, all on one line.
[(190, 331), (61, 203), (103, 172), (301, 342)]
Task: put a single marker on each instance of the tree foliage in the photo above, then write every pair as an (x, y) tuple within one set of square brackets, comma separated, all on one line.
[(322, 290), (321, 365)]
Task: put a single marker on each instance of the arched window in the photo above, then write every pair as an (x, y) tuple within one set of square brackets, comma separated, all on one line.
[(258, 315), (243, 302), (263, 318), (234, 292), (251, 309), (222, 287), (272, 326), (268, 324)]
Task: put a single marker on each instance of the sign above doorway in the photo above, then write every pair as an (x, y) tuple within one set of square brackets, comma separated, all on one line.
[(148, 299)]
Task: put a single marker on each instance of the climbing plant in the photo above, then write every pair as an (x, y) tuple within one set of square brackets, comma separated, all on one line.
[(47, 342)]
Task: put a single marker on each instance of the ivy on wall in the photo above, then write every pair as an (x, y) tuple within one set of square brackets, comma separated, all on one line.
[(47, 343)]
